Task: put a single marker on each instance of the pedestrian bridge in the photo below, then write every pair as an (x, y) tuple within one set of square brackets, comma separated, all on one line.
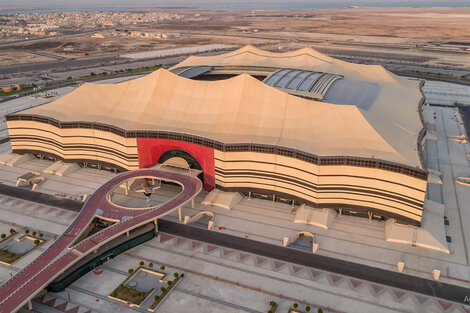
[(72, 246)]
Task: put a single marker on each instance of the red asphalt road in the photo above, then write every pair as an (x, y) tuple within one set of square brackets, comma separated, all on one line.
[(36, 276)]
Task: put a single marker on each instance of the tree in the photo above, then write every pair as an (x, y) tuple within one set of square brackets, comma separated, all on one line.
[(130, 271), (169, 282), (141, 263), (92, 74), (150, 265), (40, 235), (175, 274), (270, 311), (34, 233), (320, 311), (3, 236), (162, 268), (296, 305), (26, 231), (272, 303), (163, 289), (307, 308), (36, 242), (12, 231), (157, 298)]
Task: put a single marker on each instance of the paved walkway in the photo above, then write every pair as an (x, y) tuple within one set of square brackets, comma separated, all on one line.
[(374, 275)]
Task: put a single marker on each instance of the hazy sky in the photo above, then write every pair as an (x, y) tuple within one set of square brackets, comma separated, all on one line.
[(308, 3)]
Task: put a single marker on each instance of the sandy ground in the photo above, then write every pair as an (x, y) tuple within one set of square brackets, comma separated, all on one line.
[(401, 30)]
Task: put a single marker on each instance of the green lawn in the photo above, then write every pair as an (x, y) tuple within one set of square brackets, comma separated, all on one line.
[(432, 76), (24, 88), (92, 76), (95, 76)]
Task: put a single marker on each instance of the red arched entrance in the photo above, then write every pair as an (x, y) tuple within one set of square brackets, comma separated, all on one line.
[(150, 150)]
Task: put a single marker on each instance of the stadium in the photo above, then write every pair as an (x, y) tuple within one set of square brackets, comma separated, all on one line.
[(296, 126)]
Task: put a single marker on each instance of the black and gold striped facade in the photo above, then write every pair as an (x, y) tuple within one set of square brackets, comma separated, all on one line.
[(368, 185)]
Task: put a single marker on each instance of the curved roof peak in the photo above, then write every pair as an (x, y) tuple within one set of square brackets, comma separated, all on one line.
[(285, 54), (305, 58), (240, 109)]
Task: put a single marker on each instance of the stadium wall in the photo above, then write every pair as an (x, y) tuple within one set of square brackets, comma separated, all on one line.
[(365, 185)]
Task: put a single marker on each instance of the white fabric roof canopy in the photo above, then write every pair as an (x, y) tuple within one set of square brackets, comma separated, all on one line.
[(243, 110), (394, 113)]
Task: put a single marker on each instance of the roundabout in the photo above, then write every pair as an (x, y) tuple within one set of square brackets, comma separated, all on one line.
[(79, 240)]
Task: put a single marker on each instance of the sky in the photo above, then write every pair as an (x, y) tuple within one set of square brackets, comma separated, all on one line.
[(258, 3)]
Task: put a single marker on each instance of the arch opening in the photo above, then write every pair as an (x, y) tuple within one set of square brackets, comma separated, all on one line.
[(174, 158)]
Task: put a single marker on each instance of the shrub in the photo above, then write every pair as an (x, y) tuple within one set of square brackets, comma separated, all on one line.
[(34, 233), (130, 271), (40, 235), (307, 308), (320, 311), (150, 265), (36, 242), (92, 74), (296, 305), (162, 268), (3, 235), (272, 303), (12, 231), (270, 311), (175, 274), (163, 289), (141, 263), (169, 282), (157, 298), (26, 231)]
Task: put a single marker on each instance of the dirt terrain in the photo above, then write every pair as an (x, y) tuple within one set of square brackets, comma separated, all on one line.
[(426, 36)]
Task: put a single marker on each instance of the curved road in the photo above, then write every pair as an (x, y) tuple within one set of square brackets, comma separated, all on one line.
[(63, 253)]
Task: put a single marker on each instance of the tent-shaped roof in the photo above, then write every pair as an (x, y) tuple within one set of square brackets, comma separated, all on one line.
[(394, 113), (305, 58), (238, 110)]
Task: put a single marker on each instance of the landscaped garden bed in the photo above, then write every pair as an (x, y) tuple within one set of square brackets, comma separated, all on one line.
[(12, 249), (141, 285), (165, 291), (129, 295), (307, 309), (8, 257)]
